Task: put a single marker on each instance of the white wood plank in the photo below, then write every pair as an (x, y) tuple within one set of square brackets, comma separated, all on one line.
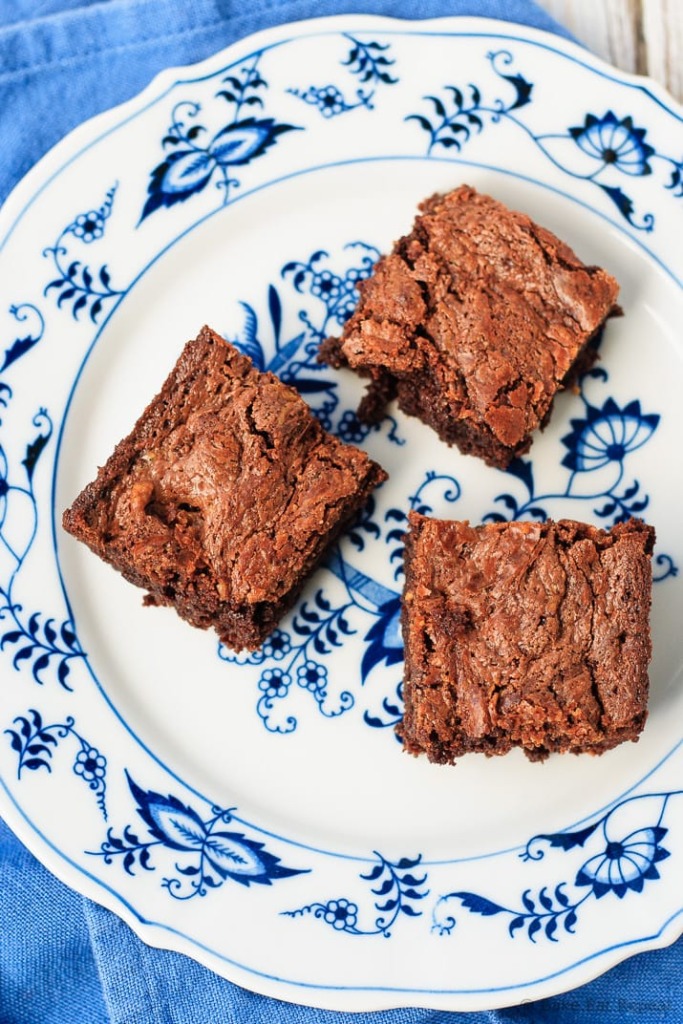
[(607, 27), (645, 36), (663, 35)]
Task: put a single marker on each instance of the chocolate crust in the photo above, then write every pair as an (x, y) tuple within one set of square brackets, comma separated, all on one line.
[(474, 321), (225, 495), (531, 635)]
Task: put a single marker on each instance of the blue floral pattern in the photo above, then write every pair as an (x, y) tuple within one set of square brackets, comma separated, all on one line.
[(294, 356), (369, 62), (34, 639), (212, 854), (607, 435), (623, 863), (618, 142), (35, 743), (397, 887), (77, 285), (612, 145), (319, 627), (192, 161)]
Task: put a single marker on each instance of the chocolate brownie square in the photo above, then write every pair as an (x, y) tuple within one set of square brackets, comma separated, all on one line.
[(475, 321), (224, 496), (525, 634)]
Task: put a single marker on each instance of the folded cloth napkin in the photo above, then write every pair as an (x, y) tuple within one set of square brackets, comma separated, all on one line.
[(63, 959)]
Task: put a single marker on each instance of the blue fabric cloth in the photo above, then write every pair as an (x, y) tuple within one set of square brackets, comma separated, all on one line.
[(63, 959)]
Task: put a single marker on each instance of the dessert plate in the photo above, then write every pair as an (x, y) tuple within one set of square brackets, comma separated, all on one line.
[(256, 812)]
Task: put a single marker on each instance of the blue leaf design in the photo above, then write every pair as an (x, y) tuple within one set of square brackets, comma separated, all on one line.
[(63, 671), (182, 174), (171, 822), (249, 343), (33, 451), (190, 871), (566, 840), (17, 349), (244, 860), (528, 902), (275, 309), (522, 88), (478, 904), (374, 873), (15, 740), (243, 141), (545, 900), (569, 921), (413, 880), (625, 204), (422, 121), (384, 639)]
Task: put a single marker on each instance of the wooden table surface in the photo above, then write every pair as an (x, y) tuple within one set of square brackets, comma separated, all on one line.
[(645, 36)]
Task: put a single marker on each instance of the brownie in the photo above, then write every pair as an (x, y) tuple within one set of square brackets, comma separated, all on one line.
[(224, 496), (525, 634), (474, 321)]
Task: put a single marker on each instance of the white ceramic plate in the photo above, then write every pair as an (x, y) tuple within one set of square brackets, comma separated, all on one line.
[(257, 813)]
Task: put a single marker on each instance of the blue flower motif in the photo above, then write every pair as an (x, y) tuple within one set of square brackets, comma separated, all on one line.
[(274, 682), (616, 142), (88, 226), (341, 914), (329, 101), (277, 646), (625, 864), (607, 435), (91, 765), (326, 286), (312, 676), (351, 429)]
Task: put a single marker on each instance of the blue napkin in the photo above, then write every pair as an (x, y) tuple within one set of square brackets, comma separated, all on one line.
[(63, 959)]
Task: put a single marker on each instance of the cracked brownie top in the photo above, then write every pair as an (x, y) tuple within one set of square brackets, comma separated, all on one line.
[(475, 319), (224, 494), (525, 634)]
